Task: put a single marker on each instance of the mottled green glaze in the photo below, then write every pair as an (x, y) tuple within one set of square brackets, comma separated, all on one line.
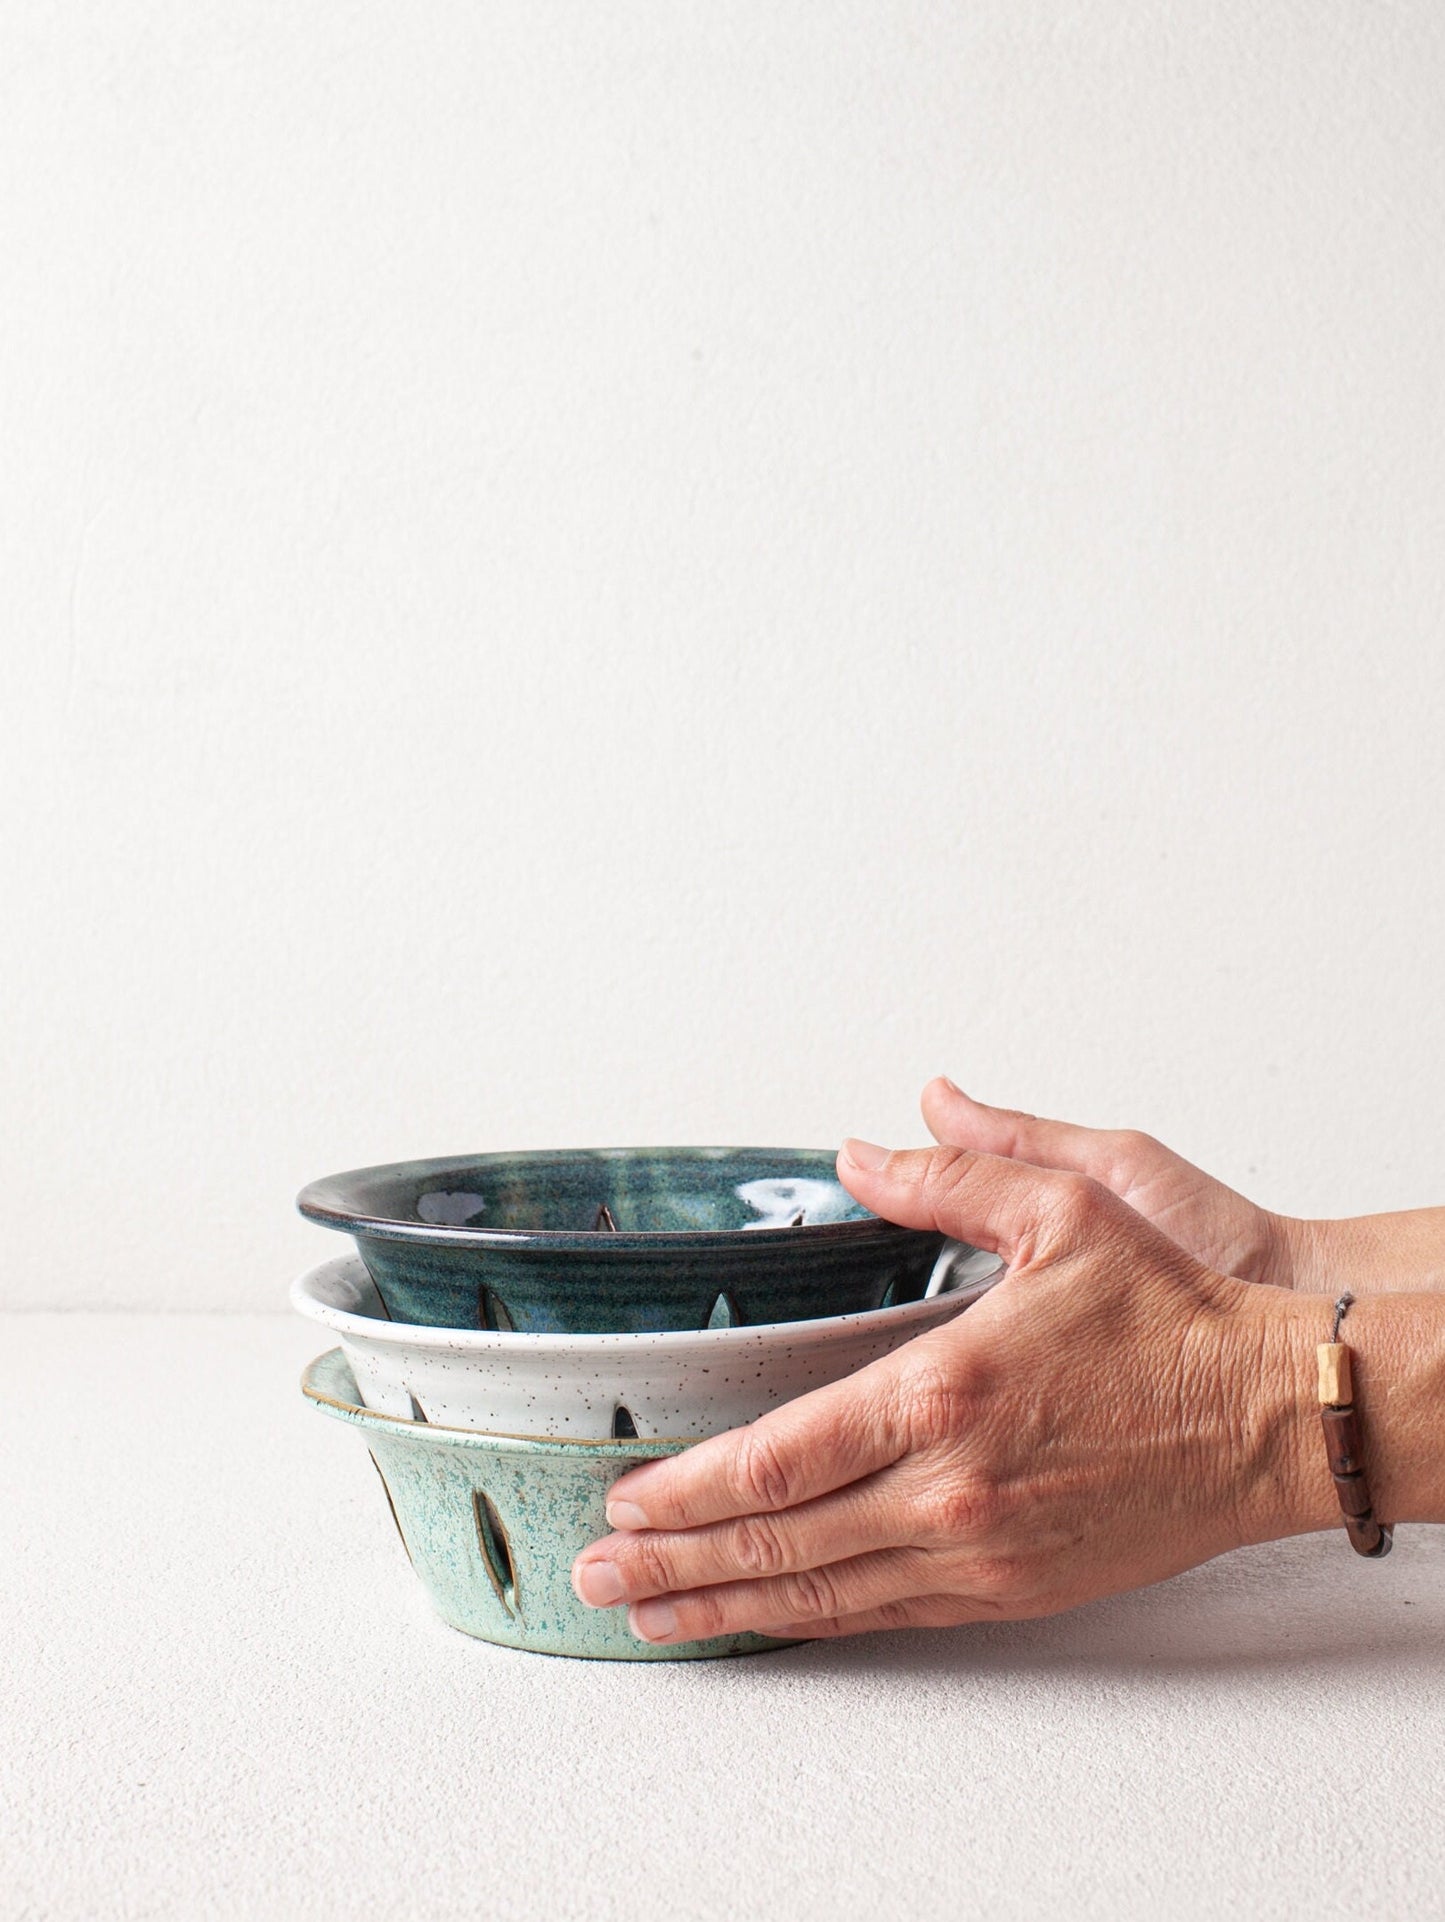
[(492, 1526), (514, 1241)]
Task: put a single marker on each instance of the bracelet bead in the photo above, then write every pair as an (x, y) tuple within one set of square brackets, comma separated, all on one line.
[(1367, 1537), (1342, 1439), (1354, 1496), (1344, 1448)]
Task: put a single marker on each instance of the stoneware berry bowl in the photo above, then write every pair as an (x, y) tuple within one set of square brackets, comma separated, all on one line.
[(682, 1385), (620, 1240), (492, 1525)]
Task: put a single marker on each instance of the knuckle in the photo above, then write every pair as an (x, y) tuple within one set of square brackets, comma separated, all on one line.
[(651, 1564), (944, 1176), (966, 1510), (896, 1614), (809, 1593), (753, 1544), (1134, 1145), (705, 1614), (759, 1473), (1076, 1200), (998, 1581), (932, 1402)]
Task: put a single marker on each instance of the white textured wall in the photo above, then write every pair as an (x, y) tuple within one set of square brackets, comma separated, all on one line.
[(586, 573)]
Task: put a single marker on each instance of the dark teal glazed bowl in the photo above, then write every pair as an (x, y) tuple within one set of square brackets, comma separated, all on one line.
[(597, 1241)]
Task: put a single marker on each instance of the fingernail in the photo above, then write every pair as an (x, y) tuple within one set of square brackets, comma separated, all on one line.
[(597, 1583), (652, 1621), (866, 1155), (625, 1515), (952, 1086)]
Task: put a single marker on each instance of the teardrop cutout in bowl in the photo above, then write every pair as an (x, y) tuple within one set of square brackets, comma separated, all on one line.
[(496, 1550)]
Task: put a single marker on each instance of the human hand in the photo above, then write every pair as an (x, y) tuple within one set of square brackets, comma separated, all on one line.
[(1207, 1219), (1111, 1413)]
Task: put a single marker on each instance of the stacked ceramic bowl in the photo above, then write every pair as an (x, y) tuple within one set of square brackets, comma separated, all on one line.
[(518, 1330)]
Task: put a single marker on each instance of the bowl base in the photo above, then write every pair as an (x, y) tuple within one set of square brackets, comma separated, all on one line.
[(717, 1648)]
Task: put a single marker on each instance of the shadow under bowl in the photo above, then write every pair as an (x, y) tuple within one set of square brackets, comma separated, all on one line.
[(621, 1240), (492, 1525)]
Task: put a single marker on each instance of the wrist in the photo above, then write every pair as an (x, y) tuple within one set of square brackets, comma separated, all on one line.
[(1283, 1481), (1300, 1254), (1397, 1344), (1368, 1254)]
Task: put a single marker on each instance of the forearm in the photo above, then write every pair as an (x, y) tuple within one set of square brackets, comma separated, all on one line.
[(1398, 1345), (1369, 1255)]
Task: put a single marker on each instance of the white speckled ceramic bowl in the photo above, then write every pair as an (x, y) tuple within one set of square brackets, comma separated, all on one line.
[(680, 1385)]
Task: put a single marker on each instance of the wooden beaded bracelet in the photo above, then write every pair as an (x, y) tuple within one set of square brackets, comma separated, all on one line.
[(1342, 1444)]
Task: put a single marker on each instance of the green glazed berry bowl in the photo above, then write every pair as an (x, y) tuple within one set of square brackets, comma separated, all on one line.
[(621, 1240), (492, 1525)]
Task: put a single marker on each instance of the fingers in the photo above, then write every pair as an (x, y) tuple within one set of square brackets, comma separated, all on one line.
[(1010, 1207), (920, 1611), (806, 1449), (873, 1514), (839, 1589), (958, 1121)]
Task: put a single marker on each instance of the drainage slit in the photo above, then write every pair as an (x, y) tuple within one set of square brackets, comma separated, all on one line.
[(605, 1222), (418, 1413), (492, 1312), (624, 1428), (724, 1313), (496, 1551), (390, 1503)]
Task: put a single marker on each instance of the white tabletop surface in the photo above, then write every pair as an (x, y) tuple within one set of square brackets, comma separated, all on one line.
[(222, 1695)]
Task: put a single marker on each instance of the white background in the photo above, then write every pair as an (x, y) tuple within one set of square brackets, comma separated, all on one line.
[(582, 574)]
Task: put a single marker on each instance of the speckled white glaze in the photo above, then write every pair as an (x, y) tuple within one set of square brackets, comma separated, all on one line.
[(679, 1385)]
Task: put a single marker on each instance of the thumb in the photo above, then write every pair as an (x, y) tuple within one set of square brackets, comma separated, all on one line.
[(1010, 1208), (957, 1120)]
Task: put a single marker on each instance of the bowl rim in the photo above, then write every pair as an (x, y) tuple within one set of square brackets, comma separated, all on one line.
[(517, 1342), (325, 1201), (319, 1390)]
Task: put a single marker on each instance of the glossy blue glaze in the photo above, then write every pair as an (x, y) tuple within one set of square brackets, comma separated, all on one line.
[(637, 1240)]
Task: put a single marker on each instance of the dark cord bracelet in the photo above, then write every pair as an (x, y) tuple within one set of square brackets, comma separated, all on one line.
[(1342, 1443)]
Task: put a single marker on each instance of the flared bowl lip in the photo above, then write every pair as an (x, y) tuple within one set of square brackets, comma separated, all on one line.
[(335, 1201), (327, 1382), (970, 1273)]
